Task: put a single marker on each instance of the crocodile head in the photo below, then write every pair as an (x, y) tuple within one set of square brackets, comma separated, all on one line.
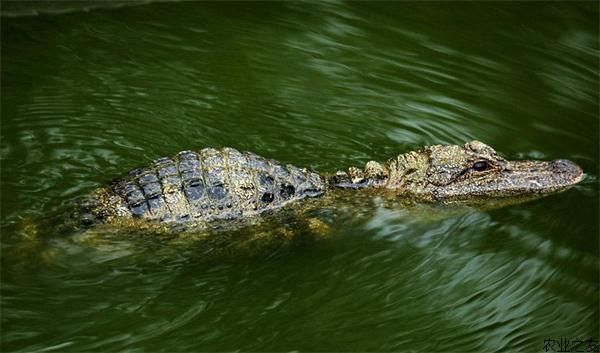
[(474, 171)]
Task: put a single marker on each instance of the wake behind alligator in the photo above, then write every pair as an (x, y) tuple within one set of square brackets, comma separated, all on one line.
[(201, 187)]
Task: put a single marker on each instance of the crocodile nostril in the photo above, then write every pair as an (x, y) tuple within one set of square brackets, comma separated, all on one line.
[(564, 166)]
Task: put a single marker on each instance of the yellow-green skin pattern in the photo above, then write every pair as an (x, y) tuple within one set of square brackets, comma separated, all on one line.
[(201, 187), (225, 184)]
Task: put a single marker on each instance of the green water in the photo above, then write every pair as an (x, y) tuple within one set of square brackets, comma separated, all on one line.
[(87, 95)]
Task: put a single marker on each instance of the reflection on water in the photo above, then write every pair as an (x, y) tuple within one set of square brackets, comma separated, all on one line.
[(88, 95)]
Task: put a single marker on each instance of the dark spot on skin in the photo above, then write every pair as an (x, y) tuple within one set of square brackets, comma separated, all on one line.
[(266, 181), (267, 197), (184, 218), (287, 191)]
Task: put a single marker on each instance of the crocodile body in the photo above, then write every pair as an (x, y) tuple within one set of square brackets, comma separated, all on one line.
[(213, 184), (204, 186)]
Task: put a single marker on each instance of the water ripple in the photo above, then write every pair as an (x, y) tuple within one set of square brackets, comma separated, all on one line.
[(88, 95)]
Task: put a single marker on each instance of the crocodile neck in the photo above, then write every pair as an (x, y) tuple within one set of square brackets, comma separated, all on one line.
[(373, 175), (406, 172)]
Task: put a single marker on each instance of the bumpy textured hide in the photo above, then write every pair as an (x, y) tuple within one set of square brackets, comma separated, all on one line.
[(228, 184), (204, 186)]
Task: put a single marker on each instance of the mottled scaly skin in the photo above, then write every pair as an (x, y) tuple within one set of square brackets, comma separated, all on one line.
[(202, 186), (209, 185)]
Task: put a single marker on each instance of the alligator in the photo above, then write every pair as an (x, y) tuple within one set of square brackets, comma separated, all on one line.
[(226, 184)]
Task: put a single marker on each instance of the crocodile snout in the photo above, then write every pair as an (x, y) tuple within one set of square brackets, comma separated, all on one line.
[(566, 167)]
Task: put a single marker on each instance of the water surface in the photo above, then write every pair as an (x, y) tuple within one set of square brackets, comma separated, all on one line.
[(87, 95)]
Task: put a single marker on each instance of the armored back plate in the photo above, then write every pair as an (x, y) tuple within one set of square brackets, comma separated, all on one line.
[(213, 184)]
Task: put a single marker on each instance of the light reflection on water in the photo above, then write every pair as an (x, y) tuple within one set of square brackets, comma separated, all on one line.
[(89, 95)]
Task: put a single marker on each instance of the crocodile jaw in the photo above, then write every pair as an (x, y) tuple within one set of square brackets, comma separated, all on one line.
[(510, 179), (475, 172)]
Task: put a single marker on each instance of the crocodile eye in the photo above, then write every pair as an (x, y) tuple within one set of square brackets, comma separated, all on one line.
[(481, 166)]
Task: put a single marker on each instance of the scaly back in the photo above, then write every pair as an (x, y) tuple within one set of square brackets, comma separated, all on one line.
[(212, 184)]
